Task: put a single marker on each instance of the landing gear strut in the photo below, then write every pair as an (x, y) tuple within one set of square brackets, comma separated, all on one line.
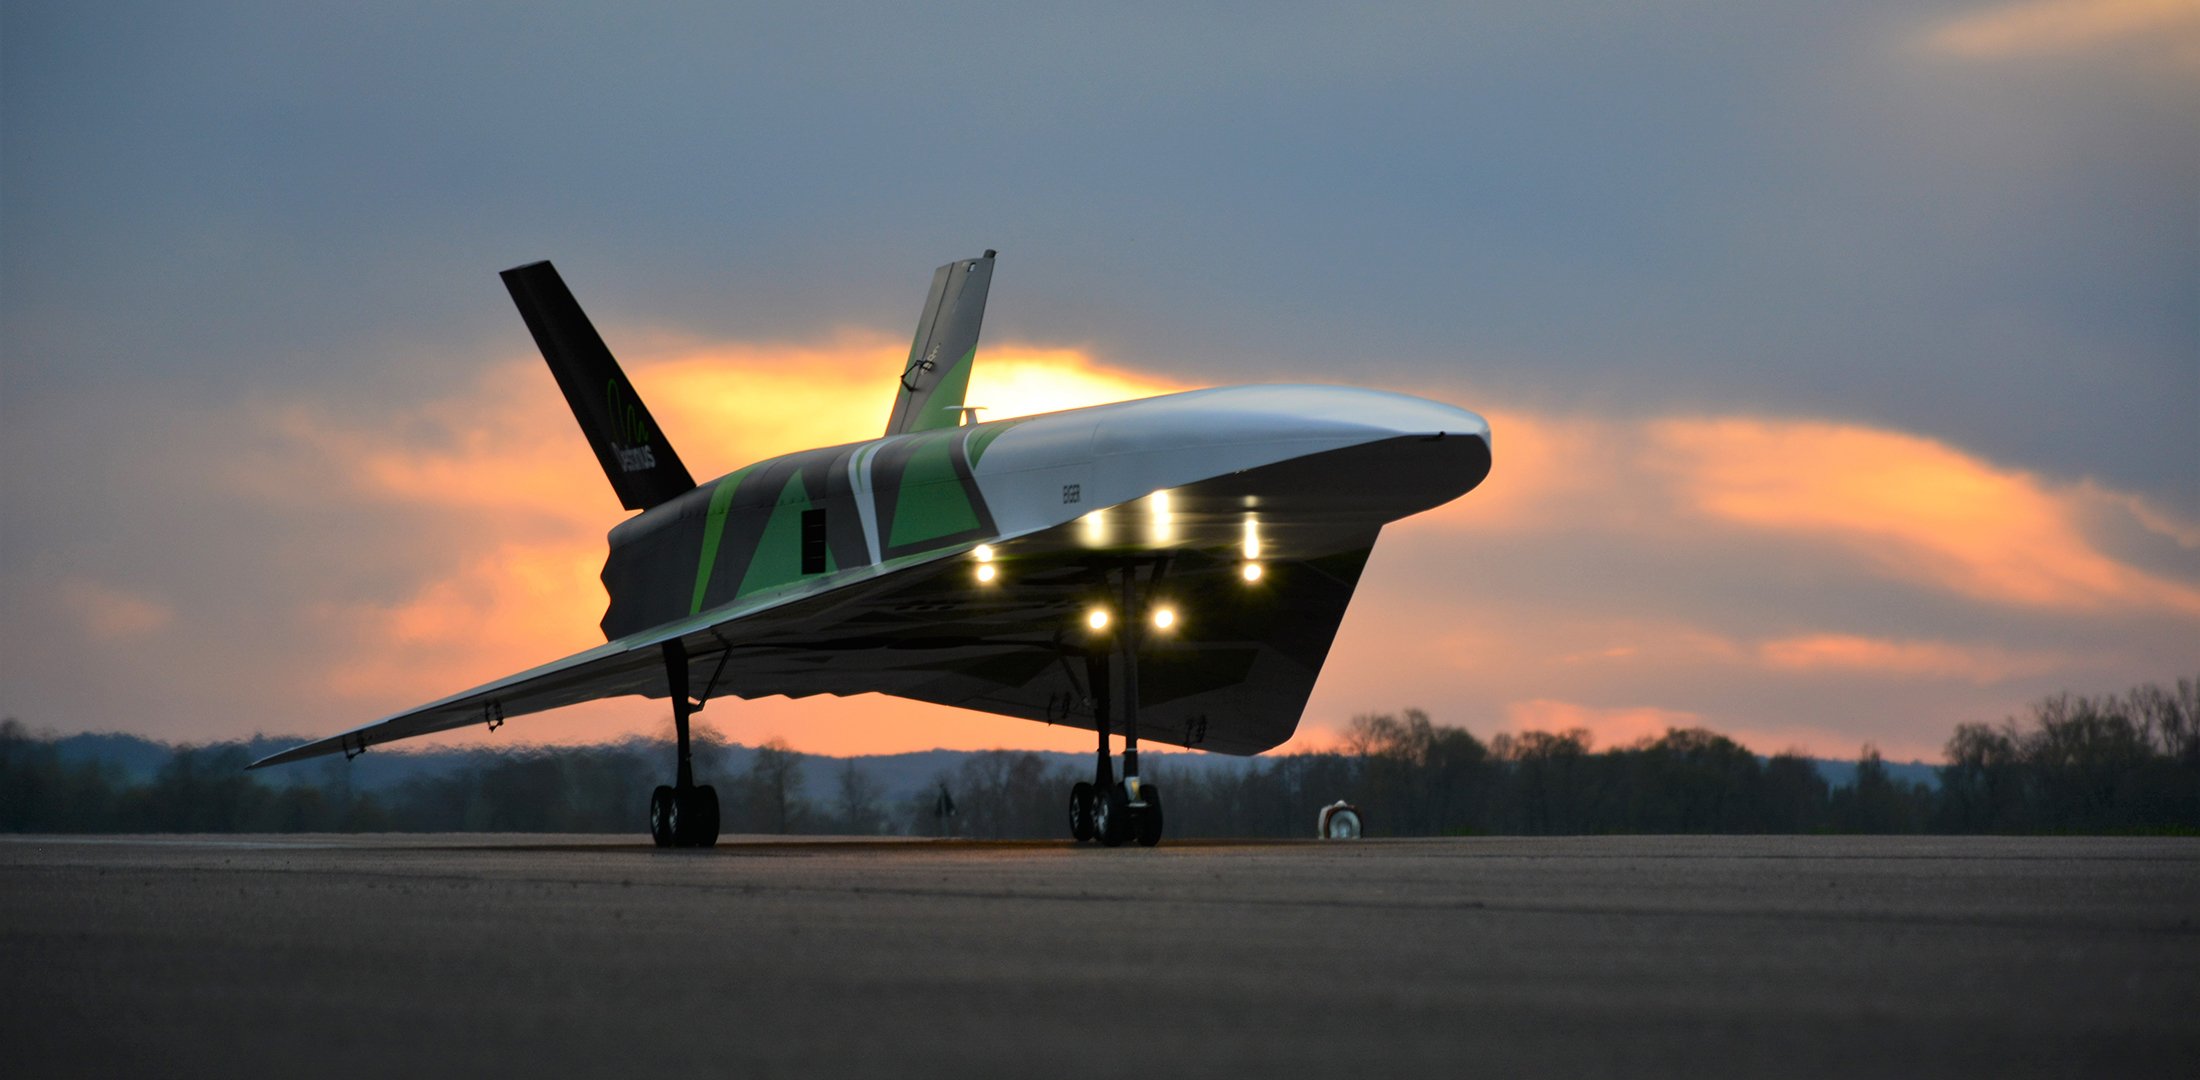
[(683, 815), (1110, 811)]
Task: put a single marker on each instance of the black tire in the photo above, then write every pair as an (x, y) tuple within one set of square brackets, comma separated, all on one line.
[(695, 817), (1149, 818), (706, 813), (682, 818), (1111, 816), (1080, 812), (660, 816)]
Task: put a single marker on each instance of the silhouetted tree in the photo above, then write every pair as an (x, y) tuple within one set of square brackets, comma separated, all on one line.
[(768, 797), (1877, 803), (1006, 793), (39, 793), (1690, 781), (856, 810), (1428, 779), (2084, 752), (1551, 790), (1795, 795), (1986, 785)]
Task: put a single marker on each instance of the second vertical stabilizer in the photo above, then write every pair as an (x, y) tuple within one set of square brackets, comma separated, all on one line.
[(937, 374)]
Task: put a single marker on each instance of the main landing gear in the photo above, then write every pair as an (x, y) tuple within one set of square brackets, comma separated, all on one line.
[(1116, 819), (684, 814), (1107, 810)]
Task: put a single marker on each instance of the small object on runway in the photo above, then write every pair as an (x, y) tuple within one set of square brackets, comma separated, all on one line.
[(1339, 820)]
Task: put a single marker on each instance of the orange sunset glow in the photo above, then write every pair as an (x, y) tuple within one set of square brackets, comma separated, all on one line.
[(1920, 508)]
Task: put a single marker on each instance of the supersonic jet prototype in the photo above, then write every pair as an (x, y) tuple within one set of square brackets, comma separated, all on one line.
[(1171, 569)]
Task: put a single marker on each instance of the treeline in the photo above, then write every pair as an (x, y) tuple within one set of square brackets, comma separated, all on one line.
[(543, 789), (2108, 764), (2117, 763), (2128, 763)]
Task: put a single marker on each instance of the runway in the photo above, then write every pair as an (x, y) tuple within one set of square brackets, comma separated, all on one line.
[(1608, 956)]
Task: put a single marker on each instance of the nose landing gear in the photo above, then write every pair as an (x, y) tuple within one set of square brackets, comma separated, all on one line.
[(1107, 810), (1146, 820)]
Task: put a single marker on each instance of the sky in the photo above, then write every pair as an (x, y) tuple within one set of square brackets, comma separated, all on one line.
[(1842, 360)]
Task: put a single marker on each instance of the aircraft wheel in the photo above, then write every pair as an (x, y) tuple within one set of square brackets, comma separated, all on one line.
[(695, 817), (660, 816), (1080, 812), (1149, 818), (682, 818), (1111, 816), (706, 816)]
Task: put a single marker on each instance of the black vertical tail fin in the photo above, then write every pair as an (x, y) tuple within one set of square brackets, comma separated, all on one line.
[(938, 372), (642, 466)]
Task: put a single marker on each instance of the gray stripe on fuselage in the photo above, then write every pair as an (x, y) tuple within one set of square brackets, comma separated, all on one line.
[(859, 482)]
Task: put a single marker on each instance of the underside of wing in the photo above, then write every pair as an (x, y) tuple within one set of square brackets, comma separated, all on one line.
[(1231, 674), (609, 670)]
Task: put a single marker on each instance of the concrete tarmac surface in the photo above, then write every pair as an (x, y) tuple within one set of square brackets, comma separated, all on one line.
[(598, 956)]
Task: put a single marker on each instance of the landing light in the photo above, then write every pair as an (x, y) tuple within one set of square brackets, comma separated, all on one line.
[(1251, 571), (983, 552), (986, 573), (1164, 618), (1097, 618)]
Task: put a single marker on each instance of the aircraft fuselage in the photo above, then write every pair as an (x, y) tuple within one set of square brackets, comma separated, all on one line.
[(809, 521)]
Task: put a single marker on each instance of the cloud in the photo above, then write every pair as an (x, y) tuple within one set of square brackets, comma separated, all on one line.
[(2146, 515), (1913, 508), (1566, 649), (108, 614), (506, 610), (1628, 725), (1853, 654), (1550, 468), (2053, 27), (1917, 508)]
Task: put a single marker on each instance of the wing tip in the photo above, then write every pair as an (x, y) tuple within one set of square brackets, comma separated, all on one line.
[(285, 757)]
